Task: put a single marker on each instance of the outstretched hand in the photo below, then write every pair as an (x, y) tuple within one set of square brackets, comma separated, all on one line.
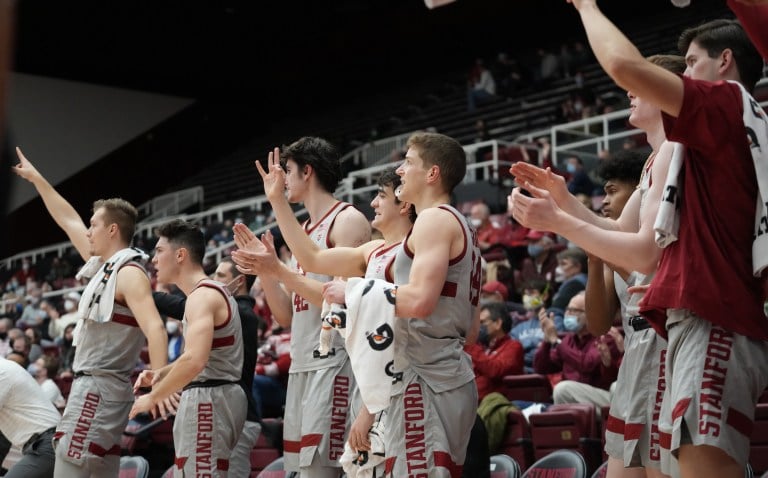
[(537, 212), (526, 173), (25, 169), (254, 256), (273, 177)]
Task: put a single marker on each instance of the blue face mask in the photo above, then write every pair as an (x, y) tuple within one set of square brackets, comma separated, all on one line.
[(570, 167), (32, 369), (482, 335), (535, 250), (571, 323)]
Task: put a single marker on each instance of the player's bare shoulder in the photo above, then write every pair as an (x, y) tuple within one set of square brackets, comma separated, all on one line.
[(351, 228)]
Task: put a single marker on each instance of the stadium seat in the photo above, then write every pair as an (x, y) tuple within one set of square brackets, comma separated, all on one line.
[(503, 466), (133, 467), (262, 454), (275, 470), (528, 387), (517, 439), (602, 471), (758, 443), (567, 426), (558, 463), (748, 473)]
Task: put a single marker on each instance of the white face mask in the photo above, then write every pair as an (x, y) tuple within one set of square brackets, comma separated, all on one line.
[(69, 305), (475, 222), (172, 327), (559, 274)]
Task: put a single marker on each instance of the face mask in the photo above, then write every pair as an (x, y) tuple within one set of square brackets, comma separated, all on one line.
[(571, 323), (531, 302), (475, 222), (571, 168), (559, 274), (535, 250), (172, 327), (482, 336), (32, 369), (69, 305)]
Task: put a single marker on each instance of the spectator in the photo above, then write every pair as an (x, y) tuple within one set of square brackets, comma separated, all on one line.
[(527, 329), (576, 357), (44, 370), (542, 260), (26, 273), (579, 182), (488, 233), (67, 351), (175, 338), (481, 87), (270, 381), (58, 322), (60, 270), (548, 67), (35, 343), (494, 291), (571, 272), (495, 354), (508, 74)]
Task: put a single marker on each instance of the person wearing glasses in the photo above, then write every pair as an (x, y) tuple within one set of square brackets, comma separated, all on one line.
[(585, 377)]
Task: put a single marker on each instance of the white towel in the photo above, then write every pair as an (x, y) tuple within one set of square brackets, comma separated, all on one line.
[(98, 298), (362, 464), (367, 326), (667, 221)]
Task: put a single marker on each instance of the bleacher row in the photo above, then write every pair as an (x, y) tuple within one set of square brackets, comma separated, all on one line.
[(441, 104)]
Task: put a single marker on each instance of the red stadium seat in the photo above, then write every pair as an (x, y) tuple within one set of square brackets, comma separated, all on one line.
[(517, 439), (567, 426), (528, 387), (758, 443), (560, 463)]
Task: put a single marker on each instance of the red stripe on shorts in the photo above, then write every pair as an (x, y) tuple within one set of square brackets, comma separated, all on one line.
[(665, 440), (102, 452), (680, 408), (444, 460), (740, 422), (615, 425), (290, 446), (632, 431), (180, 461)]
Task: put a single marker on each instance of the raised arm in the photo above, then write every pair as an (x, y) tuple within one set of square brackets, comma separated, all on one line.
[(624, 63), (338, 261), (60, 210), (133, 285)]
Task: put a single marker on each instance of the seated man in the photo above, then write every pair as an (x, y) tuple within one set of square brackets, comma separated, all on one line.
[(585, 378), (495, 354), (527, 330)]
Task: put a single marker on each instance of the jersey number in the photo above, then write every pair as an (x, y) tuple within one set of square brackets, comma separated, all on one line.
[(299, 303)]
